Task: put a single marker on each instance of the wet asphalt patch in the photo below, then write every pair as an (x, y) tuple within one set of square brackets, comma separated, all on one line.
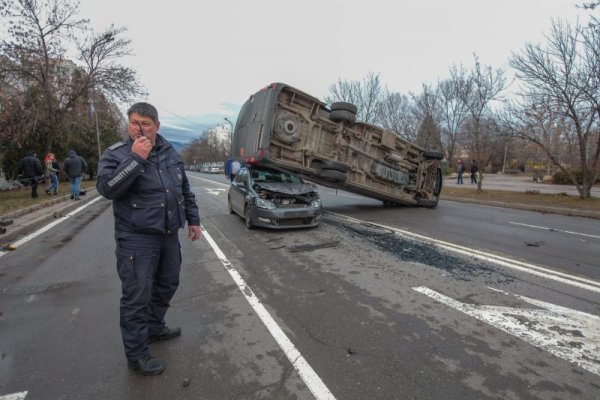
[(410, 250)]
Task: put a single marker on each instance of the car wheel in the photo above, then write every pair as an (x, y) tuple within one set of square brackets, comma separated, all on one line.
[(342, 116), (248, 218), (342, 105), (332, 175), (229, 205)]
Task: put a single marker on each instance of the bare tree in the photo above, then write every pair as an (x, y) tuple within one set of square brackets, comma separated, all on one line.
[(561, 80), (56, 90), (453, 110), (396, 114), (426, 112), (367, 96), (483, 86)]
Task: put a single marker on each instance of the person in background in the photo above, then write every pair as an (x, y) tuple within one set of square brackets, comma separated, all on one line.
[(75, 167), (52, 168), (474, 170), (460, 170), (145, 178), (31, 167)]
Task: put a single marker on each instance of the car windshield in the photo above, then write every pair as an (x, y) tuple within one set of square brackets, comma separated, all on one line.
[(269, 175)]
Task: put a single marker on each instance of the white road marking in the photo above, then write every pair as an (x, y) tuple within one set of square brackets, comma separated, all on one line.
[(572, 280), (209, 180), (308, 375), (14, 396), (555, 230), (215, 191), (569, 334), (51, 225)]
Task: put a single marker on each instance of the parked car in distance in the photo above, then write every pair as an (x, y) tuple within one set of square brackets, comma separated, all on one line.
[(273, 198)]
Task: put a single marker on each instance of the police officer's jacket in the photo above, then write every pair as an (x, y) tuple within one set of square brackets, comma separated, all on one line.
[(149, 196)]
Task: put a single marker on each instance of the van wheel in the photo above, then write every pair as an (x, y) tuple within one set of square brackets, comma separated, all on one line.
[(332, 175), (287, 128), (438, 183), (248, 218), (342, 105), (342, 116), (335, 165), (427, 203), (433, 155)]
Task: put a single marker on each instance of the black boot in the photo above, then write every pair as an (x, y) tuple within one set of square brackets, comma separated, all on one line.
[(146, 366), (166, 334)]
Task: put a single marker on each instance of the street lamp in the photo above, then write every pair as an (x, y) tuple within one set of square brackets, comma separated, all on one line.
[(230, 123)]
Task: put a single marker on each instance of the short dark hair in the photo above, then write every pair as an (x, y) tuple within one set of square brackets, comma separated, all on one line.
[(145, 109)]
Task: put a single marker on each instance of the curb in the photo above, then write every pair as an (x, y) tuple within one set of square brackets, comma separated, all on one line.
[(55, 209)]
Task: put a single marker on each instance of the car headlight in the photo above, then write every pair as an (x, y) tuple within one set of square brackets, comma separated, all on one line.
[(315, 203), (266, 204)]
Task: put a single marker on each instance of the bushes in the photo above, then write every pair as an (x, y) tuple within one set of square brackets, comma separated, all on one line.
[(560, 178)]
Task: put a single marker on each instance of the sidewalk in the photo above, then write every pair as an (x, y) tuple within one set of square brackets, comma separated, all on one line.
[(27, 220), (522, 183)]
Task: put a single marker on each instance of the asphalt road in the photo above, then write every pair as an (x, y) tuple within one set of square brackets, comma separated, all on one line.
[(361, 311)]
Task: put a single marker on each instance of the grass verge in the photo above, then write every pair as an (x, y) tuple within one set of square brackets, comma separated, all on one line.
[(18, 199)]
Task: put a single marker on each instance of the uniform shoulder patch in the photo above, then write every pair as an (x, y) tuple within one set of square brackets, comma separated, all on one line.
[(117, 145)]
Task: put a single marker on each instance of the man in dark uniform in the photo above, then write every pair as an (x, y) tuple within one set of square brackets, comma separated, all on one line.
[(145, 178), (31, 167)]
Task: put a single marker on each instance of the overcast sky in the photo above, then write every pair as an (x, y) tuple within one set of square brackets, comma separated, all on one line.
[(205, 58)]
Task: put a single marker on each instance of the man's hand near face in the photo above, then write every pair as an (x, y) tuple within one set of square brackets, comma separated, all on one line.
[(142, 147)]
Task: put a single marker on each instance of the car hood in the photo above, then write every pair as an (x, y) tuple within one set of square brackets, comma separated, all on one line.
[(286, 188)]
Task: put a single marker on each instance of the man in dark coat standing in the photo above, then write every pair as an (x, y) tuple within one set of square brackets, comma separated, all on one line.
[(145, 177), (75, 167), (31, 167)]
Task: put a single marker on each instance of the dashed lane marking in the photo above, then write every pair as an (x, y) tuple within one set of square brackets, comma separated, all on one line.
[(555, 230), (14, 396), (569, 334), (308, 375)]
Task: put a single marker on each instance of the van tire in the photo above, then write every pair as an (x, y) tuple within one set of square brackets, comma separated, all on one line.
[(433, 155), (438, 183), (342, 116), (334, 165), (427, 203), (342, 105), (332, 175)]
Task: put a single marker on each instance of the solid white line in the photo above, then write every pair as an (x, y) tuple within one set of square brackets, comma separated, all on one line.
[(582, 283), (51, 225), (308, 375), (14, 396), (554, 230)]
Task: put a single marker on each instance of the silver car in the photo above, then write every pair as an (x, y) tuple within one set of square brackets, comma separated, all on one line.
[(273, 198)]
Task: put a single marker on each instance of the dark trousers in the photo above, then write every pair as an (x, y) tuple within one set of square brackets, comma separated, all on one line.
[(148, 266), (34, 185)]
